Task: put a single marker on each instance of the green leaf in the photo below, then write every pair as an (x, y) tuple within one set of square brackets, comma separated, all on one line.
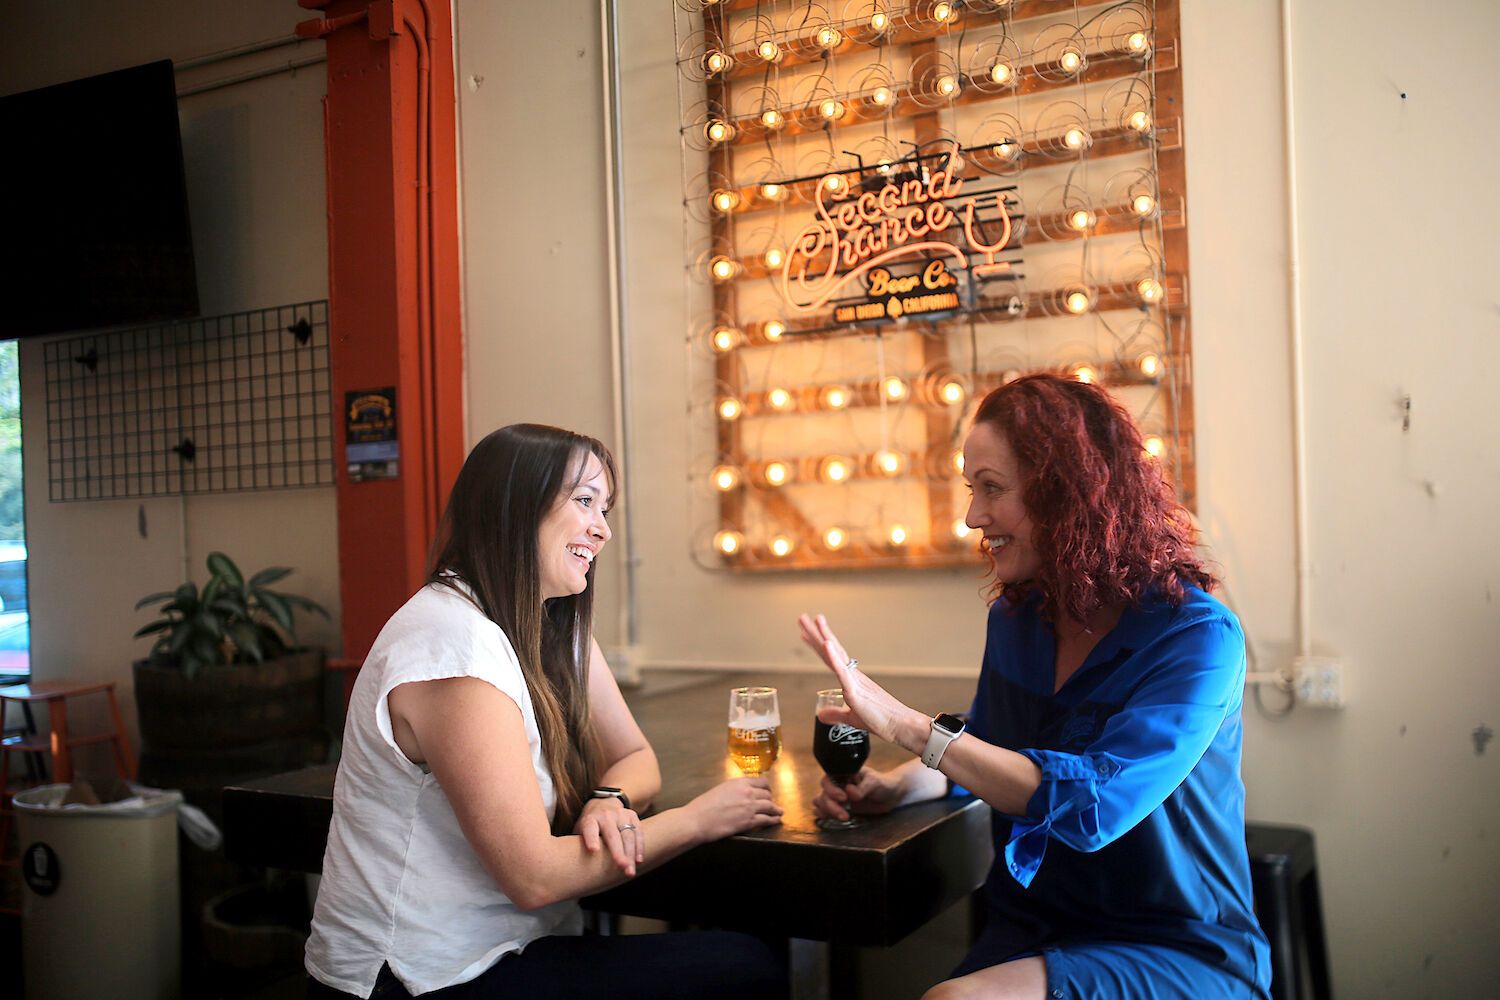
[(246, 638), (223, 567), (178, 641), (164, 595), (160, 625), (269, 575), (304, 603), (277, 608)]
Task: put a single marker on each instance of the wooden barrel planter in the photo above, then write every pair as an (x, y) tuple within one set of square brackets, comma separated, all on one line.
[(229, 723)]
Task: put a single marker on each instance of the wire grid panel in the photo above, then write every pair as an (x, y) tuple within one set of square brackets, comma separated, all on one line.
[(214, 405)]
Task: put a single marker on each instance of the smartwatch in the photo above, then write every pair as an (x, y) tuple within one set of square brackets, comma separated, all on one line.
[(945, 729), (606, 792)]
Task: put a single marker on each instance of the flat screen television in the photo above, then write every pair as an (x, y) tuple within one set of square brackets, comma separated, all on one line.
[(95, 229)]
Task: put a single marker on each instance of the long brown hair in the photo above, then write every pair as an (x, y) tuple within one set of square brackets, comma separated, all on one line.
[(488, 538), (1107, 526)]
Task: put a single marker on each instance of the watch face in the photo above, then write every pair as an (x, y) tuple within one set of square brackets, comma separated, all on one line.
[(949, 723)]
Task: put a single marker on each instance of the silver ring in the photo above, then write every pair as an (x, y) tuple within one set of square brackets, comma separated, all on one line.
[(625, 826), (852, 665)]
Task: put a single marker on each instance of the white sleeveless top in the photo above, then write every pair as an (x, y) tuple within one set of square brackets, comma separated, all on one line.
[(400, 883)]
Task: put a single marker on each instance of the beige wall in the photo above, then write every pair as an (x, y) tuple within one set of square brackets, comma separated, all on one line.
[(1407, 813)]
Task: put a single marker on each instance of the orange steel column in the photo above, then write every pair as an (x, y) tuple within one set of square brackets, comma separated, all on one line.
[(393, 260)]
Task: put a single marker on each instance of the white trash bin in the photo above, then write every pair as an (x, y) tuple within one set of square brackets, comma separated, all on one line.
[(100, 911)]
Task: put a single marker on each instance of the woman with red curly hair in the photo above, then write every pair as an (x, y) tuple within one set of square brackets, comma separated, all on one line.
[(1105, 732)]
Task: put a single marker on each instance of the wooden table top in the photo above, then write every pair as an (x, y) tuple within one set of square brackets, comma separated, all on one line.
[(870, 885)]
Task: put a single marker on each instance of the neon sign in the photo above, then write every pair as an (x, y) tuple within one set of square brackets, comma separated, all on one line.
[(859, 236)]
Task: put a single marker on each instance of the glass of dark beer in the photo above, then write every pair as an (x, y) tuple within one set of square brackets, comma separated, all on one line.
[(840, 749)]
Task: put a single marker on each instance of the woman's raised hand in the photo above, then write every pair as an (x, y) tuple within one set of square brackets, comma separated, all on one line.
[(870, 706), (735, 806)]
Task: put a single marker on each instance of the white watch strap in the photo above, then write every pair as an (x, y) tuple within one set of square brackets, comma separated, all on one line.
[(937, 742)]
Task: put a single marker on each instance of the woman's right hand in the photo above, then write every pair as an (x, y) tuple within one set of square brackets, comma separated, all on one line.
[(869, 792), (735, 806)]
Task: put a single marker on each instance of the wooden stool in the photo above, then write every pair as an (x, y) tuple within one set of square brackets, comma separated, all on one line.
[(1284, 877), (59, 743)]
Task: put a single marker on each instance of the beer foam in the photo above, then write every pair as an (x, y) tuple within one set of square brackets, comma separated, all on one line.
[(757, 720)]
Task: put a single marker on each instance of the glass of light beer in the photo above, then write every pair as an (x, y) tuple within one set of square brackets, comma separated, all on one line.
[(754, 728), (840, 749)]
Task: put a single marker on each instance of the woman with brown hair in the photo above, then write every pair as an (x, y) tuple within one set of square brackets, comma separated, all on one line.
[(491, 771), (1105, 732)]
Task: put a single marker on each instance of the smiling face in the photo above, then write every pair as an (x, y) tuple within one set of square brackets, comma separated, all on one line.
[(573, 532), (996, 509)]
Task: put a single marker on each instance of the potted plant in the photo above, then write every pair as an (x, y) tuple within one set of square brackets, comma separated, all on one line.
[(226, 691)]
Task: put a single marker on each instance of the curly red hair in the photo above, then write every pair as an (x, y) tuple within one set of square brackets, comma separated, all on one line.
[(1105, 523)]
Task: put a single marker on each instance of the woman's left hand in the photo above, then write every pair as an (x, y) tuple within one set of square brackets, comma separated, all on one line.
[(604, 823), (871, 707)]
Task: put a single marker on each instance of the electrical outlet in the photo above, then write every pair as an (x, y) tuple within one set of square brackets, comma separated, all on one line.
[(1320, 681)]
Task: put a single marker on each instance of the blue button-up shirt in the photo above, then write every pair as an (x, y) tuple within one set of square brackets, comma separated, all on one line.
[(1137, 832)]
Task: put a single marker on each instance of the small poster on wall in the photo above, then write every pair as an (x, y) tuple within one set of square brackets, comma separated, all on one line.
[(371, 449)]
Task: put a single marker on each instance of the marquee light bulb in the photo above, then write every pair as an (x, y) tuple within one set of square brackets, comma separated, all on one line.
[(1143, 205), (1007, 151), (958, 462), (1075, 138), (836, 397), (882, 96), (772, 191), (725, 338), (1139, 43), (831, 109), (834, 469), (897, 534), (883, 165), (1081, 219), (774, 257), (725, 477), (730, 408), (944, 12), (889, 463), (781, 546), (777, 473), (1140, 121), (879, 21), (951, 392), (722, 268), (947, 85), (771, 118), (1077, 302), (726, 201), (835, 538), (1001, 73), (1085, 374), (829, 37), (769, 50), (1149, 289), (894, 387), (1150, 365), (772, 329), (779, 399), (729, 542), (718, 131), (834, 183), (716, 61), (1071, 61), (961, 530), (1154, 445)]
